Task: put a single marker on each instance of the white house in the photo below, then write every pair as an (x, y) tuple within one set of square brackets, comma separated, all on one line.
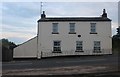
[(60, 36)]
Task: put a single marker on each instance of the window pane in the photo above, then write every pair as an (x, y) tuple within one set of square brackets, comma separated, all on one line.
[(79, 45), (55, 49), (56, 46), (57, 43), (93, 27), (72, 27), (55, 27), (97, 46), (59, 48), (93, 30)]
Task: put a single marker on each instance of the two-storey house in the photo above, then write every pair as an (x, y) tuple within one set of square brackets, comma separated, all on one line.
[(60, 36)]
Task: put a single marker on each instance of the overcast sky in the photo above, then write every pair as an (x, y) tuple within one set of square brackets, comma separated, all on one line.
[(19, 19)]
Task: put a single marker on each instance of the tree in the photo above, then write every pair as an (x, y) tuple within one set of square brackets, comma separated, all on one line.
[(118, 31), (7, 49), (8, 44), (116, 41)]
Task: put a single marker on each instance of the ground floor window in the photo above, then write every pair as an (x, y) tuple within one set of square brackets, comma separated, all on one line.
[(97, 46), (79, 46), (56, 46)]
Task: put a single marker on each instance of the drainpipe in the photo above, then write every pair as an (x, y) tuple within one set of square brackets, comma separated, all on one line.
[(38, 54)]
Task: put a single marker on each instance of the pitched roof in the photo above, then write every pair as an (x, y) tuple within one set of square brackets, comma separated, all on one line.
[(48, 19)]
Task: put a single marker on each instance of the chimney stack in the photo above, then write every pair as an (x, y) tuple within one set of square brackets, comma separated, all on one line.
[(104, 15), (43, 16)]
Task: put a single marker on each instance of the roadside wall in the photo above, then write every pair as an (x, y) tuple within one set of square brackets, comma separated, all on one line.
[(27, 49)]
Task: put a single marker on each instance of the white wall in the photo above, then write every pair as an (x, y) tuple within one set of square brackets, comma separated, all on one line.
[(68, 41), (27, 49)]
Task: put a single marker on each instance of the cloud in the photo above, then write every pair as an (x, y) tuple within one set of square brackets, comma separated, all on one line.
[(21, 9), (17, 40), (20, 37), (80, 8), (114, 25), (18, 21), (9, 28), (17, 34)]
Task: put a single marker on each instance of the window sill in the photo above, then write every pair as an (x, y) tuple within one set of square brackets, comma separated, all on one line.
[(97, 51), (55, 33), (72, 32), (79, 51), (93, 33), (56, 52)]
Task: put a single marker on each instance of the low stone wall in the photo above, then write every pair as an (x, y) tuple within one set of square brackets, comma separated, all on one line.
[(72, 52)]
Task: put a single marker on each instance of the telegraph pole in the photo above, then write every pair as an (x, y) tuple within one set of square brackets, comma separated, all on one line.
[(41, 7), (38, 37)]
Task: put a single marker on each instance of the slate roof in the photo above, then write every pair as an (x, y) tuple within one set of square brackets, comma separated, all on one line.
[(49, 19)]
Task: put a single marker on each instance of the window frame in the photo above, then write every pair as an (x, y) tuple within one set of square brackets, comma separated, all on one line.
[(57, 47), (97, 46), (93, 28), (79, 46), (55, 28), (72, 28)]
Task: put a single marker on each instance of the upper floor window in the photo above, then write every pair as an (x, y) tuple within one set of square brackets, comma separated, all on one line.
[(72, 28), (55, 28), (97, 46), (79, 46), (93, 28)]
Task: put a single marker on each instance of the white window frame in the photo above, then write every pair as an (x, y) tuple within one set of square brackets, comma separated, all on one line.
[(54, 27), (57, 46), (79, 45), (72, 28), (93, 28), (97, 46)]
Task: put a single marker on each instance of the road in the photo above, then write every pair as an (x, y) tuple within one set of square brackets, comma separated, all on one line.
[(111, 60)]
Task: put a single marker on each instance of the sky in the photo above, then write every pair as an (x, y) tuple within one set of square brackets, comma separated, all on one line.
[(19, 19)]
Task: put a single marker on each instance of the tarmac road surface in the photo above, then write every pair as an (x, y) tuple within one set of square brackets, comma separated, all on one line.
[(111, 60)]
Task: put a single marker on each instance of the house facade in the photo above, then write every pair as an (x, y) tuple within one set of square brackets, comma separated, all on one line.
[(60, 36)]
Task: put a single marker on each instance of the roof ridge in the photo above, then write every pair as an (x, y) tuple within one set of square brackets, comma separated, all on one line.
[(74, 19)]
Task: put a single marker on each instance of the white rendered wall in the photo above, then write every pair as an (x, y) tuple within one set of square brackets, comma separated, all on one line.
[(68, 41), (27, 49)]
